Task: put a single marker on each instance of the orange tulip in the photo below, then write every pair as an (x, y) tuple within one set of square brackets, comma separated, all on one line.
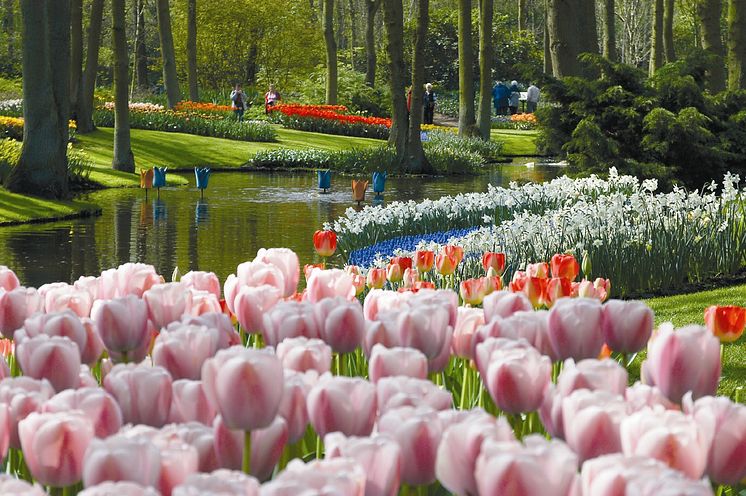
[(394, 272), (726, 322), (359, 282), (446, 265), (146, 179), (518, 282), (565, 266), (422, 285), (603, 288), (358, 190), (424, 260), (472, 291), (491, 259), (403, 262), (325, 243), (376, 278), (540, 270), (557, 287), (535, 288), (492, 284), (454, 251)]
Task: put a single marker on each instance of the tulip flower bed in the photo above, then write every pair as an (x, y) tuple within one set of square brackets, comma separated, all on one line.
[(122, 383), (522, 122), (329, 119), (12, 127)]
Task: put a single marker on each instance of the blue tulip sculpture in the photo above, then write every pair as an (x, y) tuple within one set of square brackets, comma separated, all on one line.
[(159, 178), (424, 137), (202, 174), (325, 179), (379, 182)]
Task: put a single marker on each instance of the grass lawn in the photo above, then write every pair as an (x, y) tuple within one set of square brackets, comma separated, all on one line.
[(516, 142), (15, 208)]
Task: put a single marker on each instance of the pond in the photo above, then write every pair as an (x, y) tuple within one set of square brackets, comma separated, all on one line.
[(240, 213)]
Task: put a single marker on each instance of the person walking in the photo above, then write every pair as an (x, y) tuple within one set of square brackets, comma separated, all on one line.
[(238, 102), (500, 95), (428, 104), (271, 98), (532, 98), (515, 97)]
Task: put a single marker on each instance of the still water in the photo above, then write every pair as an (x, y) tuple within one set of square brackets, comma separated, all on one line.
[(240, 213)]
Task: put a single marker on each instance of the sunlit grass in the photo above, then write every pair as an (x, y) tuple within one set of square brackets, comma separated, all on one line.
[(516, 142), (19, 208)]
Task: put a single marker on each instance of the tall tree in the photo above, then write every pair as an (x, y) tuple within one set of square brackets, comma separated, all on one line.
[(668, 14), (547, 44), (88, 82), (191, 49), (42, 168), (416, 162), (466, 118), (609, 47), (522, 14), (486, 53), (709, 13), (141, 54), (736, 45), (170, 78), (656, 38), (568, 37), (331, 53), (76, 53), (123, 159), (370, 42), (393, 18)]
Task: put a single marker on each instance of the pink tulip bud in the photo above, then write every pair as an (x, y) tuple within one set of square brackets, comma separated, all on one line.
[(605, 375), (504, 304), (469, 320), (343, 404), (668, 436), (123, 326), (395, 392), (670, 355), (199, 302), (143, 393), (514, 373), (8, 279), (253, 274), (15, 307), (626, 325), (289, 319), (189, 403), (219, 482), (68, 297), (640, 396), (54, 445), (575, 328), (591, 422), (302, 354), (329, 284), (120, 489), (183, 349), (220, 321), (98, 406), (55, 358), (379, 456), (424, 327), (293, 405), (340, 323), (378, 300), (178, 459), (245, 386), (337, 476), (252, 303), (4, 430), (15, 487), (122, 458), (166, 303), (23, 395), (64, 324), (94, 346), (389, 362), (266, 447), (287, 262), (202, 281)]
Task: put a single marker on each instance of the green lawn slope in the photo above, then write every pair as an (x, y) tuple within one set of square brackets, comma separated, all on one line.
[(516, 143), (17, 209)]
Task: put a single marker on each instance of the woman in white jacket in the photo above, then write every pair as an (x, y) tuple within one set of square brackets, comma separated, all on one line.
[(238, 102)]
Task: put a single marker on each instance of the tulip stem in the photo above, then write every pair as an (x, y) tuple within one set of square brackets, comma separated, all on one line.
[(247, 452), (319, 447), (464, 386)]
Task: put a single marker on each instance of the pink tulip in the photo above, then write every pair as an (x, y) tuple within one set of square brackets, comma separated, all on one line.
[(23, 395), (267, 445), (252, 303), (337, 476), (122, 458), (424, 327), (8, 279), (531, 326), (127, 279), (253, 274), (626, 325), (15, 307), (86, 379), (123, 326), (98, 406), (550, 412), (459, 448), (287, 261), (55, 358), (245, 386), (329, 283), (378, 300), (227, 333), (302, 354), (94, 346), (340, 323), (189, 403), (724, 423), (54, 445), (4, 368), (166, 303), (219, 482), (183, 349), (591, 422), (200, 302), (376, 278), (202, 281), (536, 467), (68, 297), (504, 304), (4, 430), (389, 362), (379, 456), (15, 487), (514, 373), (119, 489), (396, 392), (65, 324), (293, 405), (473, 291), (539, 270), (669, 436), (614, 475), (343, 404), (89, 284), (289, 319), (178, 459), (143, 393), (670, 358), (605, 375), (468, 322), (641, 396), (575, 328)]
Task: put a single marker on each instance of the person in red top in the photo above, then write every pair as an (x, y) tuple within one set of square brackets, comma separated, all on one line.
[(271, 98)]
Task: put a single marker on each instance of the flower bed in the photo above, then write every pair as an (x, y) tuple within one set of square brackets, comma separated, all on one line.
[(11, 108), (12, 127), (523, 122), (330, 119)]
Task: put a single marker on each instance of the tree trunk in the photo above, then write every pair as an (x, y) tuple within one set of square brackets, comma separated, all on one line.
[(252, 62), (170, 78), (393, 17), (609, 30), (547, 45), (331, 53), (416, 161), (141, 54), (486, 51), (88, 81), (572, 31), (42, 168), (76, 54), (736, 45), (467, 124), (668, 15), (656, 38), (353, 33), (123, 160), (191, 48), (522, 15), (709, 12), (370, 42)]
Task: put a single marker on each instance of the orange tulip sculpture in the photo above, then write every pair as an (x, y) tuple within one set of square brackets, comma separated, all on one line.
[(358, 190)]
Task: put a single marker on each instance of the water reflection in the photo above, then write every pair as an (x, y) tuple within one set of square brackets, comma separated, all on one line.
[(244, 213)]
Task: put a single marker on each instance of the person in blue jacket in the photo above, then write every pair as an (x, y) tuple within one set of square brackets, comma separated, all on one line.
[(500, 96)]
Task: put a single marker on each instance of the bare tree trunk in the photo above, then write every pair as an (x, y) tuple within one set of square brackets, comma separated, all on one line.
[(709, 12), (393, 17), (331, 53), (467, 124), (42, 168), (370, 42), (572, 31), (123, 160), (668, 15), (609, 30), (191, 48), (656, 44), (486, 51), (522, 15), (547, 45), (170, 78), (141, 54), (252, 61), (736, 45), (76, 53), (88, 83), (416, 161)]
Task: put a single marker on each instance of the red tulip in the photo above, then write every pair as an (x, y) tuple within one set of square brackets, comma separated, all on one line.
[(565, 266), (627, 325), (591, 422), (726, 322), (390, 362), (424, 260), (492, 284), (302, 354), (15, 307), (473, 291), (182, 349), (143, 393), (189, 403), (99, 407), (340, 323), (123, 326), (575, 328), (493, 260), (219, 482), (23, 395), (122, 458), (55, 358), (418, 285), (557, 288), (325, 243), (403, 262), (504, 303), (376, 278), (396, 392), (343, 404), (358, 281), (287, 261), (379, 456)]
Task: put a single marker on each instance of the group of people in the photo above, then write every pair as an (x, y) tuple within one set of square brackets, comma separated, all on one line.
[(240, 102), (507, 98)]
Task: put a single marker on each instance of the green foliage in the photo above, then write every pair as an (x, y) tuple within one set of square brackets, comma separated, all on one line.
[(79, 166), (10, 88), (452, 161), (352, 91), (329, 126), (486, 150), (10, 153)]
